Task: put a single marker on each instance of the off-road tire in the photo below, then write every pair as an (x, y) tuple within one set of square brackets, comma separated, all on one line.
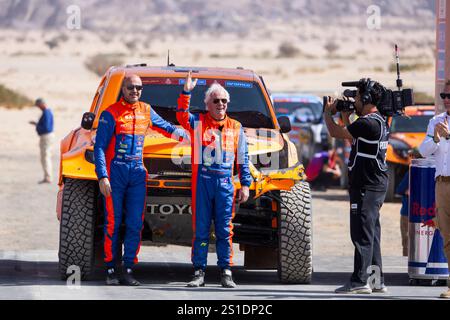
[(295, 235), (77, 227)]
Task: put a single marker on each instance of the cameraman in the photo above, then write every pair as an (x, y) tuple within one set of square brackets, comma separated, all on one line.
[(367, 181)]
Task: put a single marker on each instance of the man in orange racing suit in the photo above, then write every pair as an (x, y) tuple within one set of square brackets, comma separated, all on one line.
[(122, 175), (217, 142)]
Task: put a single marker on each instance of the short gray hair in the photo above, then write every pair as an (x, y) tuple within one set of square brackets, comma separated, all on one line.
[(215, 88), (39, 101)]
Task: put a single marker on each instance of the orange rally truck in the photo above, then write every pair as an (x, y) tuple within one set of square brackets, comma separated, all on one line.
[(273, 228)]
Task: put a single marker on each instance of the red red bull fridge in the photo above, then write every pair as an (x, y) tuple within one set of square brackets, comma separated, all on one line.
[(426, 259)]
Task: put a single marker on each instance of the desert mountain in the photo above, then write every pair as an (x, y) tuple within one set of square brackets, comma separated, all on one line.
[(181, 16)]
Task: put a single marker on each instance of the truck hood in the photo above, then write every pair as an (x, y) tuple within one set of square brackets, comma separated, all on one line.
[(259, 141)]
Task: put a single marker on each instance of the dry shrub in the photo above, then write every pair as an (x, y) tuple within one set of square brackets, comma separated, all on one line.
[(56, 41), (378, 69), (131, 45), (343, 57), (223, 56), (149, 55), (288, 50), (62, 37), (418, 66), (105, 38), (28, 53), (13, 100), (21, 39), (265, 54), (312, 69), (100, 63), (335, 66), (361, 53), (79, 38), (51, 44), (331, 48)]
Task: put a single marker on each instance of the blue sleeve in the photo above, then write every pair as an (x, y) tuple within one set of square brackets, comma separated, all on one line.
[(49, 120), (242, 161), (165, 126), (45, 123), (403, 186), (105, 131), (160, 123)]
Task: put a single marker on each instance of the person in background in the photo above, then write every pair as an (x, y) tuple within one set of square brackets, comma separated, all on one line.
[(44, 129), (323, 169), (403, 190)]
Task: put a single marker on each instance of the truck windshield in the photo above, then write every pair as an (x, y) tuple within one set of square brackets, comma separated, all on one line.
[(247, 105), (414, 124)]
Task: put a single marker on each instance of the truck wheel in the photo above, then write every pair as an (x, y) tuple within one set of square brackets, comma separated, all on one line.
[(295, 235), (390, 192), (76, 234)]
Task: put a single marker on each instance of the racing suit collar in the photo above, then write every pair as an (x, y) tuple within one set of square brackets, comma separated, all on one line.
[(214, 122), (129, 105)]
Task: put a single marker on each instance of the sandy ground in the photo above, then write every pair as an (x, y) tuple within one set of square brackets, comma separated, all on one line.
[(27, 210)]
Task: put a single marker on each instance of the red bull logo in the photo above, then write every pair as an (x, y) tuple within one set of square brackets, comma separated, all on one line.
[(425, 214)]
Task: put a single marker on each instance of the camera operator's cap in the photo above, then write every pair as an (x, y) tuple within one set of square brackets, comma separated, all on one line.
[(39, 101)]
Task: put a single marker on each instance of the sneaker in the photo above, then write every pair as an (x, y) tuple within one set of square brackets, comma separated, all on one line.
[(45, 181), (128, 279), (227, 279), (445, 295), (348, 289), (198, 280), (381, 289), (111, 277)]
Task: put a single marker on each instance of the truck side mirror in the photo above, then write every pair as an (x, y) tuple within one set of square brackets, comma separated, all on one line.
[(88, 120), (285, 124)]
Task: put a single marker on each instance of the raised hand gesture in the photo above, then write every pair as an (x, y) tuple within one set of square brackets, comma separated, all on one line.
[(441, 130), (189, 84)]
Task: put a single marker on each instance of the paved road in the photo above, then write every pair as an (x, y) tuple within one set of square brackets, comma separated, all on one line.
[(164, 271)]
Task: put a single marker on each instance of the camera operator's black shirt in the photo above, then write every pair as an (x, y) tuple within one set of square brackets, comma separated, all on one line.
[(367, 163)]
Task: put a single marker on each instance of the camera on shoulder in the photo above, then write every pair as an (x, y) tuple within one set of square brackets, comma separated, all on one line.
[(388, 102)]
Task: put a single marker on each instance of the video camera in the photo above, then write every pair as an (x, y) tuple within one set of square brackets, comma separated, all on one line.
[(388, 102)]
